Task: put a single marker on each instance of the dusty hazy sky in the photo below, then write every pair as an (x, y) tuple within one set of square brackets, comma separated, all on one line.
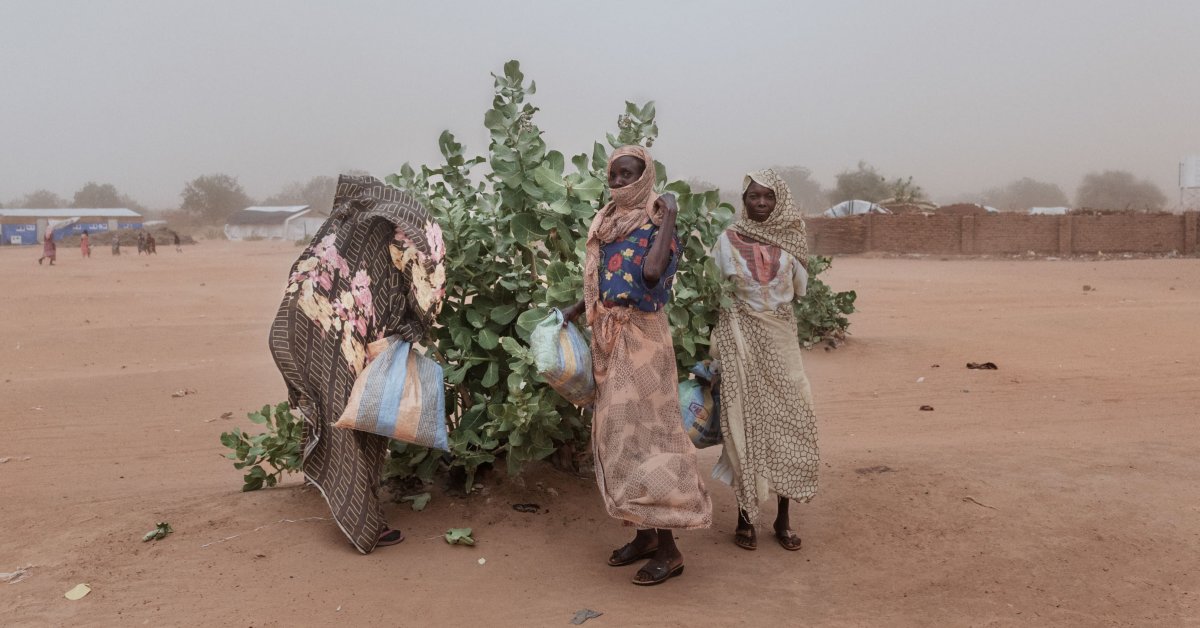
[(961, 95)]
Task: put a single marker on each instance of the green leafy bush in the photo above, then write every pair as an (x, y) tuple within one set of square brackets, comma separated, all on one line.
[(822, 313), (515, 236), (278, 447)]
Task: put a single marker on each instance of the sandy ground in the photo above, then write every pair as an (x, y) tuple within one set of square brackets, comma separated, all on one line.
[(1060, 489)]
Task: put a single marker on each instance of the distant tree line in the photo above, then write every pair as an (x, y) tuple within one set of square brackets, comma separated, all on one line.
[(210, 199), (1111, 189)]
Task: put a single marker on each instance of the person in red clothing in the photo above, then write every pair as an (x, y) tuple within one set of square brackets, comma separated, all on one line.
[(49, 249)]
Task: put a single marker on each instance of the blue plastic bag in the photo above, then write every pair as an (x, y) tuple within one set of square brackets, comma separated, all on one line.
[(562, 356), (700, 402), (401, 395)]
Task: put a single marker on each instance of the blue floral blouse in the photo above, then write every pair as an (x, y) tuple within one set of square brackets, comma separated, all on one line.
[(621, 281)]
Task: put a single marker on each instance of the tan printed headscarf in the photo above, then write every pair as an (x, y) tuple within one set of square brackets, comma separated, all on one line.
[(784, 228), (631, 207)]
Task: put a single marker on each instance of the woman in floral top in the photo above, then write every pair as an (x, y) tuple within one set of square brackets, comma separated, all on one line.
[(645, 464), (374, 269)]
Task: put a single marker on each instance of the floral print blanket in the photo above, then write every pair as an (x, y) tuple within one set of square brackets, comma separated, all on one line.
[(374, 269)]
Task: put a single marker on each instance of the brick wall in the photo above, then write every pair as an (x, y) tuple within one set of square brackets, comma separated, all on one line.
[(1015, 233), (915, 233), (1127, 234), (1005, 234), (838, 236)]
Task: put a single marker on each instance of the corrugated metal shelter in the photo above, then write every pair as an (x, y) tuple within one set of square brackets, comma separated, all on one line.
[(293, 222), (27, 226)]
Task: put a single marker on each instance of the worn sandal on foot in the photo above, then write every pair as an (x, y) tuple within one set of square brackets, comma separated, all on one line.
[(746, 538), (787, 540), (656, 572), (627, 556), (389, 537)]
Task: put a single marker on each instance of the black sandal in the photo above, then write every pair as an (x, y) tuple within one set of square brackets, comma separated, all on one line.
[(624, 555), (656, 571), (787, 539), (389, 537), (746, 538)]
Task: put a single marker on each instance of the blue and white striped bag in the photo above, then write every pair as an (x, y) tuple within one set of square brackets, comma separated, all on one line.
[(401, 395), (562, 356)]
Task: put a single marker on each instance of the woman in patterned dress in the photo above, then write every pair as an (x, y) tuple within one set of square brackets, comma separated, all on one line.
[(49, 248), (767, 421), (645, 465), (374, 269)]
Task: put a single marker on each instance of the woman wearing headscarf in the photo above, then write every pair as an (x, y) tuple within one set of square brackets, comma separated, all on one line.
[(374, 269), (49, 248), (645, 465), (767, 420)]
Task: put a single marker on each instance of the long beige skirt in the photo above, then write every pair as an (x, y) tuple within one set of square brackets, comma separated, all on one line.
[(645, 464), (767, 420)]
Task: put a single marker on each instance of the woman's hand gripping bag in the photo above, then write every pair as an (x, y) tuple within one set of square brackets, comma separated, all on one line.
[(563, 359), (401, 395), (700, 401)]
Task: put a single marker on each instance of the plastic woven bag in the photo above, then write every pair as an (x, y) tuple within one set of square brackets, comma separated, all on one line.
[(401, 395), (700, 402), (562, 357)]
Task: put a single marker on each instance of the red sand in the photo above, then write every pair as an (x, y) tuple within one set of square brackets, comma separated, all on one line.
[(1059, 490)]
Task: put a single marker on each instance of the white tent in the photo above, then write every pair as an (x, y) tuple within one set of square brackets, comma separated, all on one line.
[(291, 222), (1049, 211), (854, 208)]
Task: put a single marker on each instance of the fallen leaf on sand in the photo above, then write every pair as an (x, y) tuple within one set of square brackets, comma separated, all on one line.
[(927, 408), (160, 531), (183, 393), (419, 501), (459, 536), (78, 592), (16, 576), (4, 460), (583, 615)]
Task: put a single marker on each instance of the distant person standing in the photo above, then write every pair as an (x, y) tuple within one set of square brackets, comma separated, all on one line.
[(85, 245), (150, 245), (175, 235), (49, 249), (116, 244), (141, 242)]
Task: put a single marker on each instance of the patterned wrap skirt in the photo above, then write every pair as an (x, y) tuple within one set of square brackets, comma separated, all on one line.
[(645, 464), (767, 419)]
